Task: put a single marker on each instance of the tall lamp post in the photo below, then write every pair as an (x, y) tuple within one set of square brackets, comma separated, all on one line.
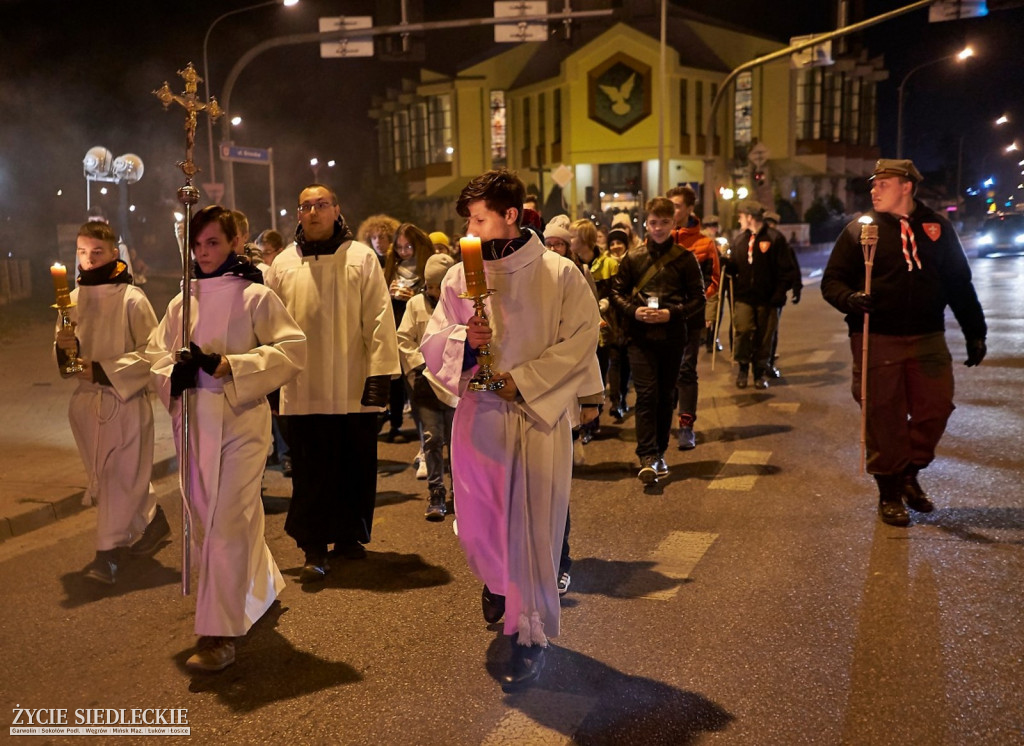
[(959, 56), (206, 66)]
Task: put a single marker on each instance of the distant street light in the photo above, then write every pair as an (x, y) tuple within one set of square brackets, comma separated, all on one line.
[(959, 56), (206, 66), (235, 121), (314, 164)]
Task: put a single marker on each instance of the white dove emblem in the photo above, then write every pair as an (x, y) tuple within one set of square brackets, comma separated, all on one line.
[(619, 96)]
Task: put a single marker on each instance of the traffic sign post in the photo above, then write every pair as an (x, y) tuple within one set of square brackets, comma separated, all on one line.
[(231, 154)]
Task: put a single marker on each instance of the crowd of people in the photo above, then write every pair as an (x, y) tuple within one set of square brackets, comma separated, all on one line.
[(303, 351)]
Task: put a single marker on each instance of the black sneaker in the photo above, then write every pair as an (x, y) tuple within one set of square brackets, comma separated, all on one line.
[(103, 569), (436, 507), (315, 569), (155, 534), (563, 583), (647, 473)]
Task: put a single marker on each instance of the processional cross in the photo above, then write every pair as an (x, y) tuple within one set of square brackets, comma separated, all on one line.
[(192, 105)]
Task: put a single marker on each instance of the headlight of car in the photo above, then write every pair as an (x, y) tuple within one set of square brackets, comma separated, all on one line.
[(986, 240), (1019, 239)]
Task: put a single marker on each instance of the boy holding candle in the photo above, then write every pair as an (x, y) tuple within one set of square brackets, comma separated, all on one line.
[(110, 411), (512, 447)]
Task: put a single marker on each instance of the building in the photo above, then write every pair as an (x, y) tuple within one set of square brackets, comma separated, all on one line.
[(596, 128)]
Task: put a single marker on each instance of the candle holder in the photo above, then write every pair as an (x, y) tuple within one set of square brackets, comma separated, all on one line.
[(482, 380), (71, 366)]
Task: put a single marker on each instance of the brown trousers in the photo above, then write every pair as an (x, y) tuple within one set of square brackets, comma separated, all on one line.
[(910, 398)]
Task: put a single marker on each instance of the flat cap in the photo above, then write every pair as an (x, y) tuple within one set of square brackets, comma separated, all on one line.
[(902, 167), (711, 221), (751, 207)]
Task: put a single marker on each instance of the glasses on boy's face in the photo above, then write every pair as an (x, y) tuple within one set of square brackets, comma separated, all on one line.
[(320, 206)]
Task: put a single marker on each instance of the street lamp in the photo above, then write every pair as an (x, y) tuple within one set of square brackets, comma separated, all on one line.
[(959, 56), (314, 164), (206, 65), (960, 161)]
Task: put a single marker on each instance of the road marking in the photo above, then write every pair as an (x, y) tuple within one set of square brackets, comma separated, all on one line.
[(560, 712), (789, 407), (743, 465), (819, 356), (674, 560)]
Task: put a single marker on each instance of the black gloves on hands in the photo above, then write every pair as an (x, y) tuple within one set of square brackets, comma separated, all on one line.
[(376, 391), (976, 351), (796, 296), (861, 302), (185, 371)]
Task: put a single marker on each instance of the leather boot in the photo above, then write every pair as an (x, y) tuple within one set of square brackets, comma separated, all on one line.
[(913, 495), (890, 500), (493, 606), (524, 668)]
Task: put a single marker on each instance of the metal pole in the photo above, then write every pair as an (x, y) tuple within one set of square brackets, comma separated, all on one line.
[(709, 157), (663, 57), (273, 204)]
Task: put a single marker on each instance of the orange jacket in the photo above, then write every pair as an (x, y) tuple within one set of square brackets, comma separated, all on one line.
[(704, 250)]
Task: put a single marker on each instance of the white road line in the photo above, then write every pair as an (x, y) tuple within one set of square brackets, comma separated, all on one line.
[(737, 474), (673, 560), (561, 713), (789, 407)]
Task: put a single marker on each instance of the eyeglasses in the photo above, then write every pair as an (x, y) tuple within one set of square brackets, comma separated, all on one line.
[(320, 206)]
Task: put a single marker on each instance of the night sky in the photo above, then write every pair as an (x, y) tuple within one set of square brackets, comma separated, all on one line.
[(78, 74)]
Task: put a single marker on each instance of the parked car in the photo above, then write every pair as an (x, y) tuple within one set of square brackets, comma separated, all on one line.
[(1002, 234)]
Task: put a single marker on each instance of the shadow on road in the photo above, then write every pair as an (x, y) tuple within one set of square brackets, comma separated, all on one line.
[(970, 523), (618, 579), (592, 703), (380, 572), (268, 669), (133, 574)]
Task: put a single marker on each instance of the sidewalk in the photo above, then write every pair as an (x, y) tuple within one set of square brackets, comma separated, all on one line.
[(41, 473)]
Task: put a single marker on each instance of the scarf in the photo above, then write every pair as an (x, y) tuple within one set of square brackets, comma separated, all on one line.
[(236, 265), (111, 273), (907, 238), (499, 248), (306, 247)]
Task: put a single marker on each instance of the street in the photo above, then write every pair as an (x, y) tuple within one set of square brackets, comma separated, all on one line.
[(752, 597)]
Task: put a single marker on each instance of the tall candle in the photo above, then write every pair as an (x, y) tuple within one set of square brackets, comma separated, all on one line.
[(473, 266), (59, 273)]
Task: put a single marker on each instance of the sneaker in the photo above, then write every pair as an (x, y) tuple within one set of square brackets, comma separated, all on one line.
[(286, 466), (563, 583), (647, 474), (762, 380), (687, 440), (421, 466), (579, 458), (741, 377), (156, 532), (660, 467), (212, 654), (436, 507), (315, 569), (103, 569)]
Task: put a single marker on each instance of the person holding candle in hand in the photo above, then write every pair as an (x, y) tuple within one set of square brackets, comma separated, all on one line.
[(512, 447), (110, 412)]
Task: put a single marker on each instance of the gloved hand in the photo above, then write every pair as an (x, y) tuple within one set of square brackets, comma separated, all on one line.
[(976, 351), (183, 375), (376, 391), (206, 363), (861, 302), (796, 295)]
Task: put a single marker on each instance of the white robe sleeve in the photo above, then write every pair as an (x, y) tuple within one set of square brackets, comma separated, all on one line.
[(380, 339), (279, 357), (444, 339), (129, 373), (160, 352)]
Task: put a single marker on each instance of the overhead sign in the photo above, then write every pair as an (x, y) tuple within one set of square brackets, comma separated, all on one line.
[(819, 55), (521, 31), (562, 176), (953, 10), (214, 190), (243, 155), (354, 46)]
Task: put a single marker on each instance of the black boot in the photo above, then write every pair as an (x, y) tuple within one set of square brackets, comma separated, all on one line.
[(890, 500), (741, 376), (524, 668), (913, 495), (436, 508), (493, 606)]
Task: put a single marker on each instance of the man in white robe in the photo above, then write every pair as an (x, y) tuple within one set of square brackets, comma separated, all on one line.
[(252, 347), (110, 412), (335, 290), (512, 448)]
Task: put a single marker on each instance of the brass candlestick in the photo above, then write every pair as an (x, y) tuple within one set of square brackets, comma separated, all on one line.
[(482, 380), (71, 366)]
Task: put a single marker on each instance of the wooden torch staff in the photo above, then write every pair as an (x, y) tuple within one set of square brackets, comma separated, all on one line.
[(188, 196), (868, 244)]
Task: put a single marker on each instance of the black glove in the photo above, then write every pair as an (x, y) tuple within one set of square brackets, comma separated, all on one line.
[(183, 375), (796, 296), (861, 302), (976, 351), (376, 391), (206, 363)]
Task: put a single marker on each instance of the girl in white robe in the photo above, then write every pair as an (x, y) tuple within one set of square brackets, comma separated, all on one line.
[(246, 345)]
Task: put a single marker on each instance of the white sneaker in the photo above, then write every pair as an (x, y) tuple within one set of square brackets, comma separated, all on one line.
[(421, 466), (579, 458)]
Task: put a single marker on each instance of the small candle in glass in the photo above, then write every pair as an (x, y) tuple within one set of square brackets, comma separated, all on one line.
[(473, 265)]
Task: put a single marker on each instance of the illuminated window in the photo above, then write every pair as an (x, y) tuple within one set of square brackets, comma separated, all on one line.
[(499, 134)]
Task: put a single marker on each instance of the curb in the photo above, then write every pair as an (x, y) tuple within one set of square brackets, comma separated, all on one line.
[(47, 512)]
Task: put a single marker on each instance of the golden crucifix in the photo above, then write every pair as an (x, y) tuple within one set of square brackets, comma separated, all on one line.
[(191, 103)]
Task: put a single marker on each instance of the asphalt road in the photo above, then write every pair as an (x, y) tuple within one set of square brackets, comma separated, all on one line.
[(751, 598)]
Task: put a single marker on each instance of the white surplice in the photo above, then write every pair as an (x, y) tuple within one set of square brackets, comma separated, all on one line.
[(229, 429), (113, 425), (512, 461)]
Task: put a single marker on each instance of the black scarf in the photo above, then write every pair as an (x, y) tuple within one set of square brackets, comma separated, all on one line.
[(236, 265), (499, 248), (111, 273), (326, 246)]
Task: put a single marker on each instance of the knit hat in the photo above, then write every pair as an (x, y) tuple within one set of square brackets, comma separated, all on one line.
[(441, 238), (617, 234), (558, 227), (436, 267)]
